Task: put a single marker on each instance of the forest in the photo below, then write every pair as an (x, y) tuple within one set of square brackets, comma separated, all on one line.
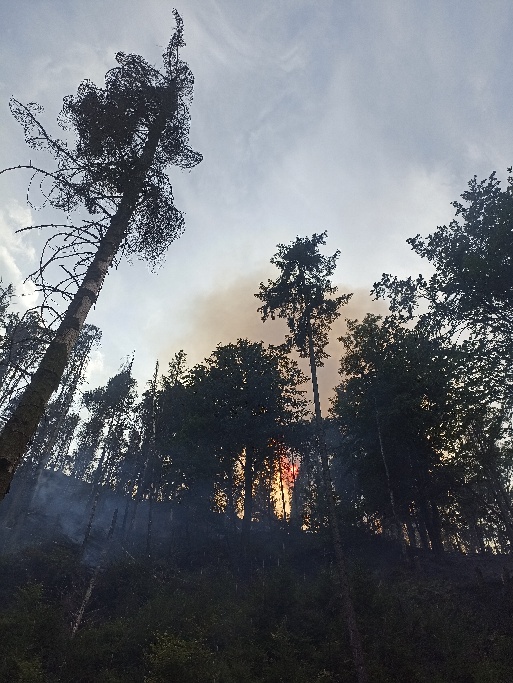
[(214, 525)]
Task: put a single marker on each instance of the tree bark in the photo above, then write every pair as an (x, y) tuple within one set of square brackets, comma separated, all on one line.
[(411, 531), (230, 501), (248, 496), (282, 489), (344, 590), (21, 426), (501, 499), (397, 523), (94, 577)]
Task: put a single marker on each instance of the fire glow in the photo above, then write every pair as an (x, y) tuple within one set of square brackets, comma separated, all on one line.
[(285, 472)]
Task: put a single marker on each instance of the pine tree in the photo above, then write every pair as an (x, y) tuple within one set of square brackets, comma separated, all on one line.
[(303, 295), (126, 135)]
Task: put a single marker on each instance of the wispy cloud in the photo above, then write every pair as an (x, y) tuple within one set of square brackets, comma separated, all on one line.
[(365, 119)]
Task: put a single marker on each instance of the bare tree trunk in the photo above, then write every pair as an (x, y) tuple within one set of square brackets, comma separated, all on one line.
[(397, 523), (282, 489), (421, 528), (149, 527), (344, 590), (502, 502), (231, 503), (21, 426), (436, 523), (66, 398), (91, 519), (248, 496), (411, 532), (94, 577)]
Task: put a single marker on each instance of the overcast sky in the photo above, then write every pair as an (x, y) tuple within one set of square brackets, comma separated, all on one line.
[(364, 118)]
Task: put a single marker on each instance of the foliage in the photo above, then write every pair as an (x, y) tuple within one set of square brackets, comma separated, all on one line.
[(234, 410), (302, 294), (243, 395), (103, 438), (111, 126), (279, 624), (391, 405), (472, 257), (23, 339), (467, 303), (126, 135)]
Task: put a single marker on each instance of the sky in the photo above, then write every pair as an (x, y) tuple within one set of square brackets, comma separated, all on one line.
[(364, 119)]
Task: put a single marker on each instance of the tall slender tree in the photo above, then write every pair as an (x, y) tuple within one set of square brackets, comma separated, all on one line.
[(303, 295), (127, 133)]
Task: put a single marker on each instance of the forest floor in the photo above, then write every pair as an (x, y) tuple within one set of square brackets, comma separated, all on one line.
[(194, 617)]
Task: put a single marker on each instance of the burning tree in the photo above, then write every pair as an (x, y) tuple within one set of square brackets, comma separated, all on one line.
[(126, 134)]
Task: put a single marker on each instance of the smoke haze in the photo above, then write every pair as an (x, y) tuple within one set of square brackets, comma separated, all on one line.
[(229, 313)]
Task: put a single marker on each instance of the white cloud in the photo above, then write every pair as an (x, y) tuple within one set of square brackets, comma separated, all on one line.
[(16, 251), (365, 119), (95, 372)]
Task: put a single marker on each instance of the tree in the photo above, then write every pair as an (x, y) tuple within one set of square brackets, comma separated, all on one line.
[(104, 437), (55, 431), (479, 439), (470, 297), (472, 256), (238, 402), (394, 406), (126, 135), (303, 295), (23, 340)]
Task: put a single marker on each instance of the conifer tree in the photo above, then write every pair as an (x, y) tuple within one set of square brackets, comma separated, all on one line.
[(303, 296), (237, 402), (127, 133), (23, 340)]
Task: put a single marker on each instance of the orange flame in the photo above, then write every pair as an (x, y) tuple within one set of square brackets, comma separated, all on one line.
[(284, 478)]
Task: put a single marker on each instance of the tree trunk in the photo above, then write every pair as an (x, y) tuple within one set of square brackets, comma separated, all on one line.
[(499, 493), (502, 501), (248, 496), (411, 532), (282, 489), (436, 524), (21, 426), (94, 577), (344, 591), (395, 516), (91, 519), (421, 528), (66, 398), (232, 516)]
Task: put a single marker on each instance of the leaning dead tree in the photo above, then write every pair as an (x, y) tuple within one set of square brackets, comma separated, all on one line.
[(126, 135)]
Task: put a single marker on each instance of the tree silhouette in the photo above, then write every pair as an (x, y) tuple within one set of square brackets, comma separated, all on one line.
[(23, 340), (393, 405), (471, 286), (127, 133), (302, 294), (240, 400)]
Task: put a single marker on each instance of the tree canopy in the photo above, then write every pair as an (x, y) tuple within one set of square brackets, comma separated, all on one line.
[(126, 134), (303, 294), (472, 286)]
